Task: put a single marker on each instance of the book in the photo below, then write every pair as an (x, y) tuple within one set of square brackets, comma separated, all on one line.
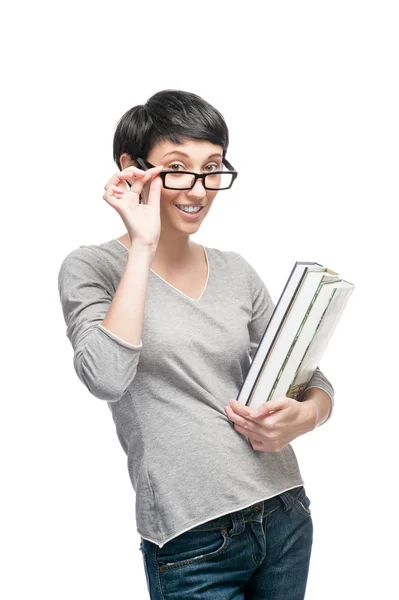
[(298, 332)]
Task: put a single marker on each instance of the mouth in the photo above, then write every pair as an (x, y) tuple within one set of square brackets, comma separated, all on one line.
[(190, 214)]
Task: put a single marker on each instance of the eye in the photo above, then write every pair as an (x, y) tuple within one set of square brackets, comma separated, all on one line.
[(217, 167), (174, 165)]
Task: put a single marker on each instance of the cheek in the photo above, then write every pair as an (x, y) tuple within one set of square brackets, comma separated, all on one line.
[(168, 197)]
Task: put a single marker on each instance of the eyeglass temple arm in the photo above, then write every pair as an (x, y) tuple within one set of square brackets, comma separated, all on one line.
[(228, 165)]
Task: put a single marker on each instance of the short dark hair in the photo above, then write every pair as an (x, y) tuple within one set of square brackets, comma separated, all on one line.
[(172, 115)]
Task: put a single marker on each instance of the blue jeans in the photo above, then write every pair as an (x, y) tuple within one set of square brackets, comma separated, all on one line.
[(261, 552)]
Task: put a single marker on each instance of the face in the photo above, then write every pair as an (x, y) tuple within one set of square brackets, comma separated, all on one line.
[(192, 155)]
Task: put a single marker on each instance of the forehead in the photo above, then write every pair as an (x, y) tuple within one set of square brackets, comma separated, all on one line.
[(194, 149)]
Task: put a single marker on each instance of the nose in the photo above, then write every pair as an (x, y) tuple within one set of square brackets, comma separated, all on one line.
[(198, 190)]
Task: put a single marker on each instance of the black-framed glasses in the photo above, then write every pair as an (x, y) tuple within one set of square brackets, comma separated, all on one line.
[(186, 180)]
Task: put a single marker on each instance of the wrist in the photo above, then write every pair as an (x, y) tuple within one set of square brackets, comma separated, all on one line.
[(319, 401), (138, 247), (310, 414)]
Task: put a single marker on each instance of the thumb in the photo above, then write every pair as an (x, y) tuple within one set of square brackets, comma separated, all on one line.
[(269, 407), (154, 196)]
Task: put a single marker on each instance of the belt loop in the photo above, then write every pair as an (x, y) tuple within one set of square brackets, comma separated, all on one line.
[(287, 499), (238, 522)]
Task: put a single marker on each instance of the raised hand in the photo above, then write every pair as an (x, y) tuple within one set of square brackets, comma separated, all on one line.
[(142, 221)]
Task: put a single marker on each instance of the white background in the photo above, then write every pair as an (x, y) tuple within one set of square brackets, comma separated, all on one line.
[(309, 91)]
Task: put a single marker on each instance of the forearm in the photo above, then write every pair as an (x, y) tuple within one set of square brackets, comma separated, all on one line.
[(320, 404), (125, 315)]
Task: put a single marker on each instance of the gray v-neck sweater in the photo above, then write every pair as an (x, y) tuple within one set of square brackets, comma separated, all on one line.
[(186, 462)]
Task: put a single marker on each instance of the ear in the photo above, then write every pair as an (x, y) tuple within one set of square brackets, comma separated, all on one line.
[(126, 161)]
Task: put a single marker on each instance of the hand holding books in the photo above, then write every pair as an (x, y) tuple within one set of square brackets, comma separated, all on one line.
[(280, 421)]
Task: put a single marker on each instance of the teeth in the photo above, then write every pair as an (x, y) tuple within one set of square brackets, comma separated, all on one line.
[(190, 209)]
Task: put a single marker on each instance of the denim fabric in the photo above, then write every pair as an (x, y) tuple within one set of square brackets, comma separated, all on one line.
[(261, 552)]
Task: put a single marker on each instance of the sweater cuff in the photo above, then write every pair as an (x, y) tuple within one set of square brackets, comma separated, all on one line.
[(118, 339)]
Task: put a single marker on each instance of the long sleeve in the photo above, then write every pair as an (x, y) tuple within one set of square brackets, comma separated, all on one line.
[(262, 310), (104, 363)]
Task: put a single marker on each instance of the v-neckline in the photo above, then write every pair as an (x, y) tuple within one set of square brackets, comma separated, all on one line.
[(172, 286)]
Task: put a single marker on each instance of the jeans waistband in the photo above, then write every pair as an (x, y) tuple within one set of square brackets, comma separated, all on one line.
[(255, 511)]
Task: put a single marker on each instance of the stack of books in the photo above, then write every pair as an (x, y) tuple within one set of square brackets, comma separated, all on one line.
[(297, 334)]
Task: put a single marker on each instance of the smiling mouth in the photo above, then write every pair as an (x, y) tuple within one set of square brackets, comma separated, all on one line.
[(196, 210)]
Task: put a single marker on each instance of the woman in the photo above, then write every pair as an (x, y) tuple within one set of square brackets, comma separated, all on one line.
[(163, 329)]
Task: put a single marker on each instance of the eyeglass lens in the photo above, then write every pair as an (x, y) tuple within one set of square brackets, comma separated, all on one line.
[(217, 181)]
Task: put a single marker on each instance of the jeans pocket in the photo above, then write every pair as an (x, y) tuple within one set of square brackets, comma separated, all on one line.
[(192, 547)]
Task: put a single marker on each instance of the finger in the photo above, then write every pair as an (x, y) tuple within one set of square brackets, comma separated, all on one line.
[(256, 444), (244, 423), (123, 175), (151, 173), (241, 409), (253, 437), (234, 417), (271, 406), (242, 430), (112, 197), (121, 186), (138, 184), (154, 195), (132, 176), (116, 191)]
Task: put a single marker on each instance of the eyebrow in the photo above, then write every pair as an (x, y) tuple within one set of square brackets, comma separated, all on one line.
[(185, 154)]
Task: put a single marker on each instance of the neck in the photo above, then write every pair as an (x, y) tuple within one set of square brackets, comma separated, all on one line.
[(175, 250)]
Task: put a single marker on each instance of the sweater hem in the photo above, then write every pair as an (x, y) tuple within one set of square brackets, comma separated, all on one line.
[(195, 523)]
